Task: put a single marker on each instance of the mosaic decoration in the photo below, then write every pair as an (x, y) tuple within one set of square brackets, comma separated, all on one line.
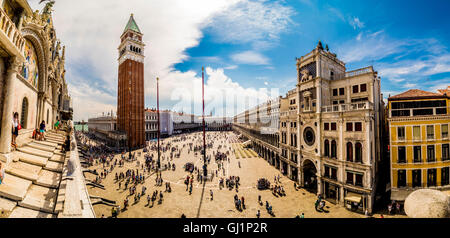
[(30, 69)]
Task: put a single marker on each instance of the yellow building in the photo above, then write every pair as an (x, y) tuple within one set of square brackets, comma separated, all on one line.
[(419, 142)]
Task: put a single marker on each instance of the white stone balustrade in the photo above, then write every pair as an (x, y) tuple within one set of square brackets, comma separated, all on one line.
[(11, 36)]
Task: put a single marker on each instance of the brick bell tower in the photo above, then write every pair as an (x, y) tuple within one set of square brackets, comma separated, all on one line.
[(130, 105)]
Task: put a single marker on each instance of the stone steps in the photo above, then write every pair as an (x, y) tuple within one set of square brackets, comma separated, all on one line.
[(41, 147), (40, 199), (14, 188), (7, 205), (47, 143), (54, 166), (32, 179), (55, 136), (48, 179), (32, 159), (21, 212), (57, 158), (34, 151), (23, 170), (59, 142)]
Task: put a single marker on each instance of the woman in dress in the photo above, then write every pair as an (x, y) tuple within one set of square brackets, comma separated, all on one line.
[(15, 129)]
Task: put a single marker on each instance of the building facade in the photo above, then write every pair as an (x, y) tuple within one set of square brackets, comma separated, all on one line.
[(32, 71), (130, 105), (419, 141), (330, 125), (260, 125), (289, 131), (151, 124), (340, 115)]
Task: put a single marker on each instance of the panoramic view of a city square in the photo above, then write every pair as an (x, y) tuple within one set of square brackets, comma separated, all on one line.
[(224, 109)]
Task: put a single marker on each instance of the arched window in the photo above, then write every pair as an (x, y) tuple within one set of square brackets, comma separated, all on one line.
[(349, 152), (48, 115), (327, 148), (358, 152), (24, 114), (333, 149)]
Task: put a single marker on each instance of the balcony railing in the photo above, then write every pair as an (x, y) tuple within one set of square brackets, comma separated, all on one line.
[(348, 107), (359, 71), (10, 33)]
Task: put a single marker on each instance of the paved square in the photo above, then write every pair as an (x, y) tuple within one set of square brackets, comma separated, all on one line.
[(199, 204)]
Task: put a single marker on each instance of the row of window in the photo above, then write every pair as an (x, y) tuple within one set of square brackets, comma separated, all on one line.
[(417, 178), (355, 89), (292, 124), (151, 117), (352, 178), (151, 126), (417, 153), (350, 126), (401, 132), (354, 153), (292, 141)]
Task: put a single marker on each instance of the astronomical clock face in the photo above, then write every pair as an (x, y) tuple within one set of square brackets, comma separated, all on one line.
[(309, 136), (30, 69)]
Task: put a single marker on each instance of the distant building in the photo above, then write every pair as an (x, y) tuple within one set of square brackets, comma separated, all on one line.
[(151, 124), (105, 129), (419, 141)]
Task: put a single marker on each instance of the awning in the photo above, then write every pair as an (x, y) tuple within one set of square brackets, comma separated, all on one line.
[(247, 143), (353, 197)]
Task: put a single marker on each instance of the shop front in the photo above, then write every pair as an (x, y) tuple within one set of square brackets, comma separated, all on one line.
[(331, 192), (294, 173), (355, 201)]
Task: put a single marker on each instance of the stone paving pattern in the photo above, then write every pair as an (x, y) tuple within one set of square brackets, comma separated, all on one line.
[(199, 203)]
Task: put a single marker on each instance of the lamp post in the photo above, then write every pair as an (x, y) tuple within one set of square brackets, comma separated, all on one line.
[(129, 128), (159, 130), (205, 172)]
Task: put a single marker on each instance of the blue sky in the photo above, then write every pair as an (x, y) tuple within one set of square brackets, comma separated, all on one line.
[(404, 33), (246, 45)]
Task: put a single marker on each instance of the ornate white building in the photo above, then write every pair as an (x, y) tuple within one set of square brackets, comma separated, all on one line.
[(32, 73)]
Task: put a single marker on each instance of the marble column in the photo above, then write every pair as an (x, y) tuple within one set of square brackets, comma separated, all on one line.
[(5, 140)]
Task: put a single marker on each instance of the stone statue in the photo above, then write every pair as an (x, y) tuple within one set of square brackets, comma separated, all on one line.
[(305, 75), (48, 6)]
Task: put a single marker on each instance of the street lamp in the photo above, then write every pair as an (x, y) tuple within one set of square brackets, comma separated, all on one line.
[(129, 127), (205, 172), (159, 130)]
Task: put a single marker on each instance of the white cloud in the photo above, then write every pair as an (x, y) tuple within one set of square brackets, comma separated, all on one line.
[(222, 95), (91, 30), (356, 23), (231, 67), (372, 46), (250, 57), (251, 21)]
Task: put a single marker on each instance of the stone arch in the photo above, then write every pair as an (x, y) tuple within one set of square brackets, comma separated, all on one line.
[(24, 113), (309, 171), (39, 40)]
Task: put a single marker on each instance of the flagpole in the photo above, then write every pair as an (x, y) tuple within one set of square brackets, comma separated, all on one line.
[(205, 173), (159, 130)]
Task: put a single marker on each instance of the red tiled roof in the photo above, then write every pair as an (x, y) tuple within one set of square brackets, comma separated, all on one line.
[(415, 93), (444, 91)]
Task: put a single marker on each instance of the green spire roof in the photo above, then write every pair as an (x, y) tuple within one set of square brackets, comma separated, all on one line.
[(131, 25)]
